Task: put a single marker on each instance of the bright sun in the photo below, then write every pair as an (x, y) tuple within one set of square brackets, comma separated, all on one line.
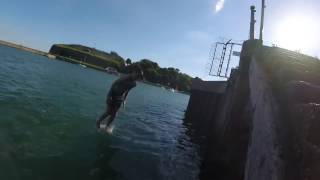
[(297, 33)]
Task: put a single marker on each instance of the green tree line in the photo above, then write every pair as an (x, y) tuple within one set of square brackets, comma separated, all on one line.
[(169, 77)]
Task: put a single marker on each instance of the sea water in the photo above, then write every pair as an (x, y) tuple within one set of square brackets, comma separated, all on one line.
[(48, 110)]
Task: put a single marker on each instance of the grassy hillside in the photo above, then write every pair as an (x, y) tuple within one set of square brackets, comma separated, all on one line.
[(88, 55), (170, 77)]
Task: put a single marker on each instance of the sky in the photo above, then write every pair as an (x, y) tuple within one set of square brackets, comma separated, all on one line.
[(173, 33)]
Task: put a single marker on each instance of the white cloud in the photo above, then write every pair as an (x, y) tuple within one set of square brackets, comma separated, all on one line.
[(219, 5)]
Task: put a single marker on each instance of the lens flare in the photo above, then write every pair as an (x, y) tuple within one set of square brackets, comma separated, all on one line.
[(297, 33), (219, 5)]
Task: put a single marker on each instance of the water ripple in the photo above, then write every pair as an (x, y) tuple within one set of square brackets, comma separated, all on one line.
[(48, 109)]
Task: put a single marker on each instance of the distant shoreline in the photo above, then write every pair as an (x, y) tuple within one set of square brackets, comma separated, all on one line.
[(21, 47), (42, 53), (67, 59)]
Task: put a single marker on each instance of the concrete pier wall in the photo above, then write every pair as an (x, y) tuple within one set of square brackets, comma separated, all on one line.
[(264, 161), (203, 103), (265, 124)]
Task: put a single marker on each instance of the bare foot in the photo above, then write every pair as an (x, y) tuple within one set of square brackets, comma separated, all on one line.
[(109, 129)]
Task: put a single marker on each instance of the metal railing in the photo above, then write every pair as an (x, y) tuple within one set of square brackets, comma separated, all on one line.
[(226, 55)]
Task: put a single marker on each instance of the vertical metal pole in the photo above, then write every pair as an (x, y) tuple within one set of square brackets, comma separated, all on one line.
[(214, 55), (222, 59), (262, 20), (252, 22), (229, 60), (223, 56)]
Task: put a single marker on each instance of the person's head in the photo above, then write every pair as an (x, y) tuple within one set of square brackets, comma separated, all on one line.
[(138, 74)]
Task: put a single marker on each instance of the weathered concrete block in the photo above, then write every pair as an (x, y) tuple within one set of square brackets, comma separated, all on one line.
[(264, 160), (302, 92), (203, 103), (306, 124)]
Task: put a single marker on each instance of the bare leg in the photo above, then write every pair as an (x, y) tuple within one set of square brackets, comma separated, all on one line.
[(111, 118), (103, 116), (113, 113)]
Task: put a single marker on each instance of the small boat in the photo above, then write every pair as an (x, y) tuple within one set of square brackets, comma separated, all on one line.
[(111, 70), (170, 89), (50, 56), (83, 65)]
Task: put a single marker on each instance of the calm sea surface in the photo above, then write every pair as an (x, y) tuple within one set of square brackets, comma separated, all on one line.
[(48, 110)]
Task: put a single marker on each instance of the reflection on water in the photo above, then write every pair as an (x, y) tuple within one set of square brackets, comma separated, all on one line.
[(48, 110)]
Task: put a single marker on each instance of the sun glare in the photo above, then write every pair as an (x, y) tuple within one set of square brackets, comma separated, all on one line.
[(297, 33)]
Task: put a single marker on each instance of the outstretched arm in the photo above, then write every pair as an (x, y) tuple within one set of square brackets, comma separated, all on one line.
[(124, 98), (125, 95), (130, 86)]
